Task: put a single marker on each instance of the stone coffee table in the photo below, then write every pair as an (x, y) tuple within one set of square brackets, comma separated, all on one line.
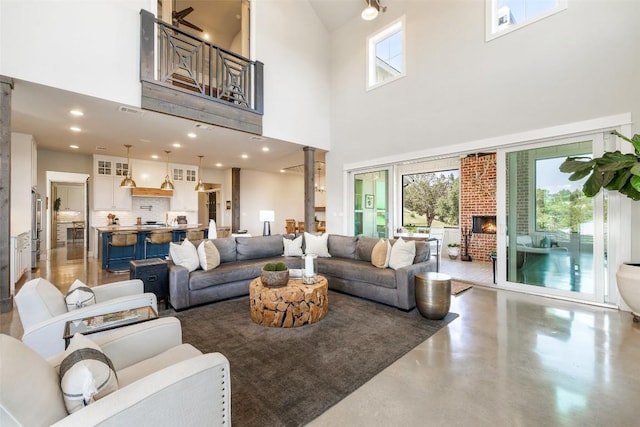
[(293, 305)]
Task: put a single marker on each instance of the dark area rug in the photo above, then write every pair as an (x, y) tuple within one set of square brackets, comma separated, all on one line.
[(288, 377)]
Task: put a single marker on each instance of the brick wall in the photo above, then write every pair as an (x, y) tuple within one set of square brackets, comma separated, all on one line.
[(478, 197)]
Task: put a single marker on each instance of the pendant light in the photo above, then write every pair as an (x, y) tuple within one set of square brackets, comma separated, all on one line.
[(128, 182), (200, 185), (167, 184)]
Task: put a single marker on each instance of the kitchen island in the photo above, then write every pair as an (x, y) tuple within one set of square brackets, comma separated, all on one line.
[(119, 257)]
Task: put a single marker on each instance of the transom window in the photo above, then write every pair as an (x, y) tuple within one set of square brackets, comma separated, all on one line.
[(504, 16), (386, 55)]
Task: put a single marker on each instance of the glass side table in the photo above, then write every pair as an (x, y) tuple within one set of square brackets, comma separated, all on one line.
[(106, 322)]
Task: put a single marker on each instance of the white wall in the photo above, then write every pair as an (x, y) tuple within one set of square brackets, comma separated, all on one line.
[(86, 46), (282, 193), (460, 89), (293, 44), (21, 209)]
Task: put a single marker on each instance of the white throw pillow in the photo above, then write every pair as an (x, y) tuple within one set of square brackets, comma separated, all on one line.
[(208, 255), (185, 255), (316, 245), (86, 374), (79, 295), (292, 247), (402, 253)]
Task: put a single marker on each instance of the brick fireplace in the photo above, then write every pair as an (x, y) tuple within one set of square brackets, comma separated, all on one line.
[(478, 199)]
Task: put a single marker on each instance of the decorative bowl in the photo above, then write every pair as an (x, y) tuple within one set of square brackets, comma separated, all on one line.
[(274, 279)]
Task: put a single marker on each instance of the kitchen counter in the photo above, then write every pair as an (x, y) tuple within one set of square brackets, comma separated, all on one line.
[(118, 257), (150, 227)]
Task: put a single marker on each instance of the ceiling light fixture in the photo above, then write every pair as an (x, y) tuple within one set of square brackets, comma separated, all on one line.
[(191, 135), (167, 184), (200, 185), (128, 182), (76, 113), (75, 147), (75, 129), (371, 11)]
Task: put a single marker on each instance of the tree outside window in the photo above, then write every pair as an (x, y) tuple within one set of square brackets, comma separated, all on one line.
[(429, 197)]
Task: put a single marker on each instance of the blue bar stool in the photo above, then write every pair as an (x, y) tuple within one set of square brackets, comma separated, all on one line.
[(158, 238), (122, 239)]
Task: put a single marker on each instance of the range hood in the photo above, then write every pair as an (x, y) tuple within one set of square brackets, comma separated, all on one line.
[(150, 192)]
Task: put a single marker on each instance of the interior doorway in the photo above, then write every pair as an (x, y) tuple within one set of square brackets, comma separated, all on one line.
[(209, 204), (66, 226)]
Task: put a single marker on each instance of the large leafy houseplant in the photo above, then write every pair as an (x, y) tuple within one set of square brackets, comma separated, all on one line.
[(614, 170)]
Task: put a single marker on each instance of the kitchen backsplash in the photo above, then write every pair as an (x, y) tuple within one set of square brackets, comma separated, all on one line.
[(67, 216), (147, 208)]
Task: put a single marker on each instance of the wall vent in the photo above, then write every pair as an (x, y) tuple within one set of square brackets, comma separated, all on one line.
[(101, 148), (130, 110)]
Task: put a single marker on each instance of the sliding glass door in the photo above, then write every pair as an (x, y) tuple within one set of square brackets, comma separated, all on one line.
[(555, 236), (371, 203)]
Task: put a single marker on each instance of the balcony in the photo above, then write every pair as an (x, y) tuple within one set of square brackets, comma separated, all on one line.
[(187, 77)]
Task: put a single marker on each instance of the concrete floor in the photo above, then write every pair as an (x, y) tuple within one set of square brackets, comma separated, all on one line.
[(509, 359)]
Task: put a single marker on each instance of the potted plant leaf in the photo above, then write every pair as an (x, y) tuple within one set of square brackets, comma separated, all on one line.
[(56, 205), (613, 171), (620, 172)]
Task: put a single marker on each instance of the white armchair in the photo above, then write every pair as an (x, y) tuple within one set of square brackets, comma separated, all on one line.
[(43, 310), (161, 382)]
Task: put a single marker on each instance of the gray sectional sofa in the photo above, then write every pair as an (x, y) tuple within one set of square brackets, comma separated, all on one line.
[(348, 270)]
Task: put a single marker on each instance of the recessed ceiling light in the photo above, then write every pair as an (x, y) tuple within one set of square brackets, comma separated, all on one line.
[(154, 156), (191, 135), (75, 129), (144, 140), (205, 36), (75, 147), (244, 156), (176, 145), (219, 165), (282, 171), (265, 149), (76, 113)]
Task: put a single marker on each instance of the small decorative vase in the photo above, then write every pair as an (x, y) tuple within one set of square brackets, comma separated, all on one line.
[(274, 279), (628, 280)]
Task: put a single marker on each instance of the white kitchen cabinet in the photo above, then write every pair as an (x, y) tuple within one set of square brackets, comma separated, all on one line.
[(20, 260), (71, 197), (108, 195), (185, 198)]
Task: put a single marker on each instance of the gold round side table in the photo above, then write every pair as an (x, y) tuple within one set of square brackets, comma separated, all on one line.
[(433, 294)]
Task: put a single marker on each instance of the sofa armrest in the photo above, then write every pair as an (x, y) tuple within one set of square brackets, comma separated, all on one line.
[(190, 393), (118, 289), (406, 285), (132, 344), (178, 286), (46, 337)]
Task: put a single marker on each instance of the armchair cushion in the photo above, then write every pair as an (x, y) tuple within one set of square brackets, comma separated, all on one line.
[(86, 374), (79, 295), (22, 368), (39, 300)]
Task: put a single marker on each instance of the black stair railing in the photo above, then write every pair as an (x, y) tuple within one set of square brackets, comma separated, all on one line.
[(188, 63)]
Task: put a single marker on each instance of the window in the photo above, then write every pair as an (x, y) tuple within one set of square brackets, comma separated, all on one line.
[(430, 198), (504, 16), (385, 55)]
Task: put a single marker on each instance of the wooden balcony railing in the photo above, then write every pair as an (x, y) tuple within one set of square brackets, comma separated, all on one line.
[(173, 58)]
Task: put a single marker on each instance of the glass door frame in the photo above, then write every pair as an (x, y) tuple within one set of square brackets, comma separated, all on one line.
[(600, 275), (391, 199)]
